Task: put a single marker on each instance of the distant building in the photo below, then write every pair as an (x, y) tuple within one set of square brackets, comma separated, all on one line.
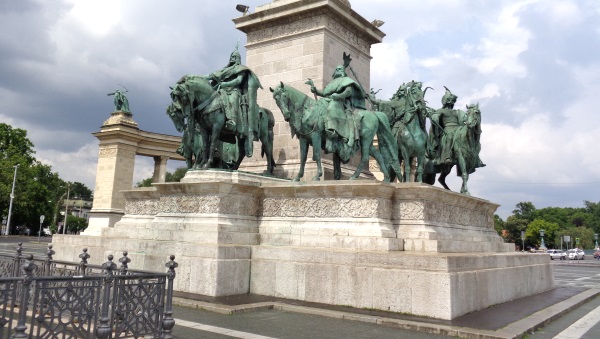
[(79, 208)]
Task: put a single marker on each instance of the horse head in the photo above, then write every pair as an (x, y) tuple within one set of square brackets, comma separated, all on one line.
[(473, 116), (282, 99), (174, 112)]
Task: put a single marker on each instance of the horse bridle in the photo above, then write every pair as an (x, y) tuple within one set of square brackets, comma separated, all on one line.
[(288, 105)]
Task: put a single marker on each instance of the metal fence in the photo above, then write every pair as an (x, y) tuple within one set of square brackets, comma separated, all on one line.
[(46, 298)]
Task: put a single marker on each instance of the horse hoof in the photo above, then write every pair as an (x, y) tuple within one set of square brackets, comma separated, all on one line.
[(316, 178), (353, 178), (296, 179)]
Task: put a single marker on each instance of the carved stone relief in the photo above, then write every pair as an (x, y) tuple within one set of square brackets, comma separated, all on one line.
[(141, 206), (326, 207), (238, 205)]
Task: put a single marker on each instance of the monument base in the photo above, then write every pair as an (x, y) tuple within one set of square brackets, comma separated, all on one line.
[(409, 248)]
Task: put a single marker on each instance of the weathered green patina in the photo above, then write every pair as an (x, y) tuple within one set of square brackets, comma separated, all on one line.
[(221, 107), (338, 124), (120, 100), (454, 139), (406, 112)]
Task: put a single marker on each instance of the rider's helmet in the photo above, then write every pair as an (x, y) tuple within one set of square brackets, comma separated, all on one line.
[(235, 58), (448, 97)]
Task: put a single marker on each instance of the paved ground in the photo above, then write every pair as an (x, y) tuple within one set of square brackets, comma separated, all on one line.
[(571, 310)]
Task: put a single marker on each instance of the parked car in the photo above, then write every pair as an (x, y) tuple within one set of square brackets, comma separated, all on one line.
[(575, 254), (557, 254), (596, 254), (46, 231)]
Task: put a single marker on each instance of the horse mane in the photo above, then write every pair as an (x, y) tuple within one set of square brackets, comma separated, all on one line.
[(296, 92)]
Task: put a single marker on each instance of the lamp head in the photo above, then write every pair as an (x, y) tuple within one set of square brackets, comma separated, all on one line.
[(242, 9), (377, 23), (542, 233)]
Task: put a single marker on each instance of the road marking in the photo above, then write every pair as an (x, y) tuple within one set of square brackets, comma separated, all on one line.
[(581, 326), (219, 330)]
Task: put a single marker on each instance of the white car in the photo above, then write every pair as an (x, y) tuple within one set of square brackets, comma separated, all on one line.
[(575, 254), (557, 254)]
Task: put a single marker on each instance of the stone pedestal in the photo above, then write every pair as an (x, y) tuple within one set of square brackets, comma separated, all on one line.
[(410, 248)]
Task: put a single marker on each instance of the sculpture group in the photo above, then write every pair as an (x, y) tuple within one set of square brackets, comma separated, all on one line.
[(220, 120)]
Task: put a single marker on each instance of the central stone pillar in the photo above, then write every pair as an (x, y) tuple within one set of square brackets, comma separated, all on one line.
[(292, 41)]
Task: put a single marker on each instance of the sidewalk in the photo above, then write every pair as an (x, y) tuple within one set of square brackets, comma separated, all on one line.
[(512, 319)]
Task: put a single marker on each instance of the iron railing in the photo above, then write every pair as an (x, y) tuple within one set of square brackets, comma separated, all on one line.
[(46, 298)]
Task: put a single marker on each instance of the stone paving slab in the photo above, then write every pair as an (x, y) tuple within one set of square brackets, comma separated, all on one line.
[(512, 319)]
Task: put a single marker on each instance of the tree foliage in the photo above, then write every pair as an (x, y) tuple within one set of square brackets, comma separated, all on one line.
[(176, 176), (556, 222), (37, 190)]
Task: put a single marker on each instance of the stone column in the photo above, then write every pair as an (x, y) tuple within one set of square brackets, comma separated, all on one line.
[(116, 160), (293, 40), (160, 169)]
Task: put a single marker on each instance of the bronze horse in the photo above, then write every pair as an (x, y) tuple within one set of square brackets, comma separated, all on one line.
[(203, 117), (465, 149), (406, 113), (305, 116)]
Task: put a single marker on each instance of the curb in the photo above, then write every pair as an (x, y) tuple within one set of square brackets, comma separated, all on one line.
[(517, 329)]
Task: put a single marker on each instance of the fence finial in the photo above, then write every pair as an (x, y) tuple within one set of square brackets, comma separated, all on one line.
[(124, 261)]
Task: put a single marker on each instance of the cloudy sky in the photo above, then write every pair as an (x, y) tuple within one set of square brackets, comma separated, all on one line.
[(533, 66)]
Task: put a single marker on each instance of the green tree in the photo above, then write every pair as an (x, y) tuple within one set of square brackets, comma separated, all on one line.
[(513, 227), (581, 218), (498, 224), (593, 209), (176, 176), (14, 144), (585, 235), (525, 210), (559, 215), (37, 188), (532, 234), (76, 224)]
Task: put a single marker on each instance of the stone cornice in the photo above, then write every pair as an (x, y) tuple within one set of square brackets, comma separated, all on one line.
[(146, 143), (341, 13)]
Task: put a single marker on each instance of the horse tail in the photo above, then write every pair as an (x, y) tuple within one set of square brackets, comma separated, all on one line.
[(388, 145)]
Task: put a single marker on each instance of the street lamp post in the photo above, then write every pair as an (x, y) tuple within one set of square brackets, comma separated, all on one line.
[(522, 241), (543, 245), (596, 239), (66, 208), (41, 222), (12, 196)]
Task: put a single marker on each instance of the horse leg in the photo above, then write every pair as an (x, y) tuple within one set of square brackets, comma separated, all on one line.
[(241, 155), (406, 159), (465, 174), (316, 145), (379, 158), (303, 155), (266, 140), (217, 126), (443, 174), (420, 160), (337, 167)]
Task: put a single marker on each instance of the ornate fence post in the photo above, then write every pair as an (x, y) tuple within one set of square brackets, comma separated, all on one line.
[(124, 261), (168, 322), (103, 330), (17, 261), (83, 264), (48, 261), (28, 268)]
